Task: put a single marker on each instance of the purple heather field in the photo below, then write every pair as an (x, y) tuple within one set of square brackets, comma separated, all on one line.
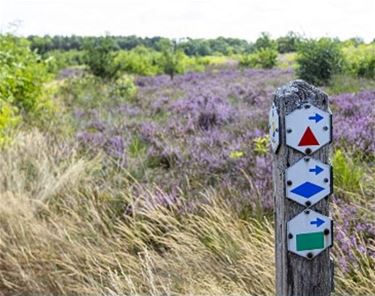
[(208, 130)]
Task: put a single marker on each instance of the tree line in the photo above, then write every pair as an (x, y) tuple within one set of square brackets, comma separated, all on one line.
[(190, 46)]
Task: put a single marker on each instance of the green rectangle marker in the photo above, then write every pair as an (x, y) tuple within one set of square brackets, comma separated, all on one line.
[(310, 241)]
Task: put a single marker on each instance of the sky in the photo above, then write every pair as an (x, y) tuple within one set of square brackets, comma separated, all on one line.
[(190, 18)]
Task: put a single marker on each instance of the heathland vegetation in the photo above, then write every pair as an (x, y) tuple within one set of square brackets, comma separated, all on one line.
[(141, 165)]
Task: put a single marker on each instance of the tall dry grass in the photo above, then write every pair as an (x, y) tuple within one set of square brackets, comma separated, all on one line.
[(61, 234)]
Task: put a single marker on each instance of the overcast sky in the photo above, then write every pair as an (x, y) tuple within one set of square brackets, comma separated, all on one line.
[(191, 18)]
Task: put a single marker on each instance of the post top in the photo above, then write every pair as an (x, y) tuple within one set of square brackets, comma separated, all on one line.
[(300, 88), (298, 92)]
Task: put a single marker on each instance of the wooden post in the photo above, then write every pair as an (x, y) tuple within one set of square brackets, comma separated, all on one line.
[(296, 275)]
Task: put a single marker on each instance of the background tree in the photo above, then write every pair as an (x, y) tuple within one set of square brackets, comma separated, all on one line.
[(173, 58), (288, 43), (318, 60), (100, 58), (264, 42)]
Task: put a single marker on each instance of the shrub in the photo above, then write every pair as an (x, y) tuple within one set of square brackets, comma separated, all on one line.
[(124, 87), (140, 60), (318, 60), (288, 43), (58, 59), (263, 58), (360, 60), (264, 42), (22, 74), (173, 59), (99, 57)]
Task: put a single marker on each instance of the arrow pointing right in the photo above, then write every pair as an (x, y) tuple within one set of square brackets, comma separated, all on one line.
[(317, 117), (317, 170), (317, 222)]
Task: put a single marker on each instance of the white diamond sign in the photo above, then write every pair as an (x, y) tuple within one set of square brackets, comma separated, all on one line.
[(308, 128), (274, 126), (308, 181), (309, 233)]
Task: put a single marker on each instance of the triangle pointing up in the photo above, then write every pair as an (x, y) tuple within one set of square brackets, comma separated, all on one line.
[(308, 138)]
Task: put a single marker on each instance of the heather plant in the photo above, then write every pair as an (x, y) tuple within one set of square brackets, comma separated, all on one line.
[(318, 60), (354, 122)]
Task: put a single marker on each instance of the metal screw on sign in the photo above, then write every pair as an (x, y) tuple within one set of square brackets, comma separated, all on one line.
[(302, 179)]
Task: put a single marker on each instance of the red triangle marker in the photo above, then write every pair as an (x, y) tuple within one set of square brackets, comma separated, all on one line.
[(308, 138)]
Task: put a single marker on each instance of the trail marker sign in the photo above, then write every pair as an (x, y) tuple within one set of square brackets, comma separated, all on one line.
[(308, 128), (309, 233), (274, 125), (308, 181)]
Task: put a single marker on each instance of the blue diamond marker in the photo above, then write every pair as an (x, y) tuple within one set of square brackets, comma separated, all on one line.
[(307, 189)]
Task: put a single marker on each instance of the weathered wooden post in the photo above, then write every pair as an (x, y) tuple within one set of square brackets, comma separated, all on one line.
[(301, 132)]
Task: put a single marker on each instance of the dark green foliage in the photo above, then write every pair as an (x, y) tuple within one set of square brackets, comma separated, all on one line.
[(196, 47), (264, 42), (288, 43), (367, 68), (318, 60), (99, 57), (172, 61), (191, 47)]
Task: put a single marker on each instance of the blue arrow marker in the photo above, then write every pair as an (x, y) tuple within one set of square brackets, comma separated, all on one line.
[(307, 189), (317, 170), (317, 117), (317, 222)]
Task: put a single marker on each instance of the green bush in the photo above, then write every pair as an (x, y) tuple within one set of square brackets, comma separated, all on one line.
[(148, 62), (263, 58), (318, 60), (100, 58), (140, 60), (360, 60), (264, 42), (22, 74), (288, 43), (58, 59), (124, 87), (173, 59)]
